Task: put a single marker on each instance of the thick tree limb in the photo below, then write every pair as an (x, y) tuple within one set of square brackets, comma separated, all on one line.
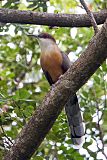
[(42, 120), (49, 19)]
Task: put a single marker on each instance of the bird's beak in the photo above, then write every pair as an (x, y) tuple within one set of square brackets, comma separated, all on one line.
[(32, 35)]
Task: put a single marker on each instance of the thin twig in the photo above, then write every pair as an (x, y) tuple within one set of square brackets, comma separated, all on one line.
[(6, 136), (101, 135), (23, 73), (90, 14)]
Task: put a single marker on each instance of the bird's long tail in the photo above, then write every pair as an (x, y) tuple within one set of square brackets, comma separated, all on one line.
[(75, 121)]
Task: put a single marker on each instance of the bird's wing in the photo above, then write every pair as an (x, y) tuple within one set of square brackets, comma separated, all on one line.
[(66, 62), (48, 77)]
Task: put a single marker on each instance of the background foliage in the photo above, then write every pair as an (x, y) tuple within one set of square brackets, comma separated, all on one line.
[(23, 85)]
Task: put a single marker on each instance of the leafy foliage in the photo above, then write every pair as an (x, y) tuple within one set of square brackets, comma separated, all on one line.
[(23, 85)]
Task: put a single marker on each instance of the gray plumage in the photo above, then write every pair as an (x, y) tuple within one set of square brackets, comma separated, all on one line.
[(75, 120)]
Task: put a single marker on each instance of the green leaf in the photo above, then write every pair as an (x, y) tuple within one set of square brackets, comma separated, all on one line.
[(21, 94), (97, 79), (38, 158)]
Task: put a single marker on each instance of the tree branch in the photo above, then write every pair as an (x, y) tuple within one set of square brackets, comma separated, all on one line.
[(44, 117), (90, 14), (49, 19)]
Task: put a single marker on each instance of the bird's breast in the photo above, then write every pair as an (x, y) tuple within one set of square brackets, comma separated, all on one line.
[(52, 64)]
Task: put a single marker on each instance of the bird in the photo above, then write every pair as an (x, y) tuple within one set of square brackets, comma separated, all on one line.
[(54, 64)]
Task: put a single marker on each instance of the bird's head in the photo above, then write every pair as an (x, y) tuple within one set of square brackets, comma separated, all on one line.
[(45, 40), (45, 37)]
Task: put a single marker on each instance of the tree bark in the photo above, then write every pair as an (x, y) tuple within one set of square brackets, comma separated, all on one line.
[(44, 117), (49, 19)]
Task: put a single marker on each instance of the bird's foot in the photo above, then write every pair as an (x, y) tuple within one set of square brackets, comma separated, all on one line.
[(60, 78), (53, 86)]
